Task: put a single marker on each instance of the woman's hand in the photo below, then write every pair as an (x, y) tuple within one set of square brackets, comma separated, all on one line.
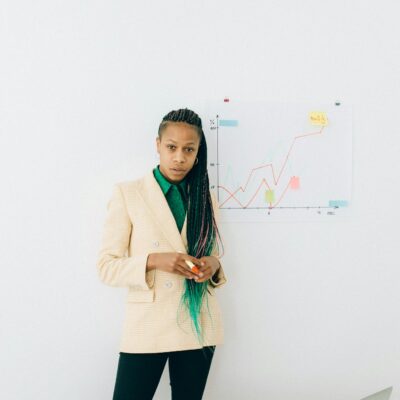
[(174, 263), (208, 266)]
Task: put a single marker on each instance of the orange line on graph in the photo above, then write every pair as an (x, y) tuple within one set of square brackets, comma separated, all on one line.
[(255, 194), (276, 180)]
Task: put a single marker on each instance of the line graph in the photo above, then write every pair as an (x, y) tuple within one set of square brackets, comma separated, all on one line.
[(309, 165), (275, 179)]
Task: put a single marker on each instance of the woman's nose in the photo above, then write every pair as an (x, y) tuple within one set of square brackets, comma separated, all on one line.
[(179, 156)]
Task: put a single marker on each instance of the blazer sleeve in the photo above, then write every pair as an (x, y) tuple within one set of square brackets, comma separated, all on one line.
[(219, 278), (114, 267)]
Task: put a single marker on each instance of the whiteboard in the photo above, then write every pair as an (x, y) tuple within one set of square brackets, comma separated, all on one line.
[(280, 161)]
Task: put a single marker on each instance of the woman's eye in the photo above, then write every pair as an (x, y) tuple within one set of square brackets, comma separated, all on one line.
[(171, 147)]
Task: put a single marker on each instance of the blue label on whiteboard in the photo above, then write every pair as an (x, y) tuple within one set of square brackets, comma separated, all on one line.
[(228, 122), (338, 203)]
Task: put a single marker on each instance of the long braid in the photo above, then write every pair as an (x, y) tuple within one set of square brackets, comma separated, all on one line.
[(202, 231)]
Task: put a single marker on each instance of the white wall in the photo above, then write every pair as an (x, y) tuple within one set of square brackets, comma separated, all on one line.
[(311, 310)]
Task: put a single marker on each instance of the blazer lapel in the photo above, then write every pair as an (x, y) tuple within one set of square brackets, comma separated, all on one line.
[(159, 209)]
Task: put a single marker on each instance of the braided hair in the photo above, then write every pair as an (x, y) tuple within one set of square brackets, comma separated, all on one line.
[(202, 230)]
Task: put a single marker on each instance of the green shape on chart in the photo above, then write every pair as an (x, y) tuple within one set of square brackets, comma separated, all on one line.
[(269, 196)]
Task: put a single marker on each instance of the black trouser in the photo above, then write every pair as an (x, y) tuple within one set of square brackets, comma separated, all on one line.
[(138, 374)]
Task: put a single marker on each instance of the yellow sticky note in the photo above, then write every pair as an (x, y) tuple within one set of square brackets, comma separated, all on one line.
[(318, 118)]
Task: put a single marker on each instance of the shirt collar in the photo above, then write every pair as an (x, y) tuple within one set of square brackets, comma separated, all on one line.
[(165, 184)]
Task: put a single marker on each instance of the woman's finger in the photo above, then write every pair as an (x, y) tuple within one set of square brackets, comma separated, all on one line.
[(188, 271), (207, 273), (184, 271), (194, 260)]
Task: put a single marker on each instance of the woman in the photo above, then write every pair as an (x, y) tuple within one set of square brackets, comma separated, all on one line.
[(154, 226)]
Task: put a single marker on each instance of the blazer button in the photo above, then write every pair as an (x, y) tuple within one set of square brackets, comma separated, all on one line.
[(156, 244), (168, 284)]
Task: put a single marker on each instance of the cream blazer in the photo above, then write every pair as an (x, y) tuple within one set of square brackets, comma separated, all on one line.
[(138, 222)]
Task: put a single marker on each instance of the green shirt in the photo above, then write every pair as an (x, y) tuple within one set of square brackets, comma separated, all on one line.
[(175, 194)]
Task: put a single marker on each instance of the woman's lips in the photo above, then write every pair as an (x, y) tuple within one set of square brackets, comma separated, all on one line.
[(177, 171)]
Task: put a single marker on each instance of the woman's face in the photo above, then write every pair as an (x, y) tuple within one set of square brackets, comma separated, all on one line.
[(178, 149)]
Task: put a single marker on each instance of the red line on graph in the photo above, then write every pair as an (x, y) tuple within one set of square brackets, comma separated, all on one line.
[(255, 194), (276, 180)]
